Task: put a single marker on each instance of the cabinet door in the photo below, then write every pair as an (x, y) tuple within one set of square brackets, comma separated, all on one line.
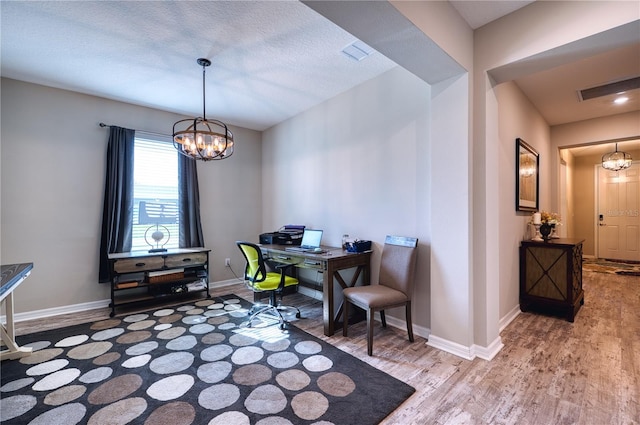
[(132, 265), (546, 273), (186, 260)]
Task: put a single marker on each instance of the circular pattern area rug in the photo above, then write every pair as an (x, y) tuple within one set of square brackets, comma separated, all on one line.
[(191, 364)]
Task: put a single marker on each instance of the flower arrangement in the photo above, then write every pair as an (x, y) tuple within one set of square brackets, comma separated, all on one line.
[(549, 218), (544, 217)]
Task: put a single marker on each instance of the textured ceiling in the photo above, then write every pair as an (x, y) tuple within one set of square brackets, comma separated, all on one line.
[(271, 59)]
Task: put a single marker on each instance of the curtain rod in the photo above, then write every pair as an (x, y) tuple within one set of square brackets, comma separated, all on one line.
[(151, 133)]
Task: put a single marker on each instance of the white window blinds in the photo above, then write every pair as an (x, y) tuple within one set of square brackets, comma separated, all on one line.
[(155, 180)]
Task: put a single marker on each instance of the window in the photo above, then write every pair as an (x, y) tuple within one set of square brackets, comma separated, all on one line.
[(155, 188)]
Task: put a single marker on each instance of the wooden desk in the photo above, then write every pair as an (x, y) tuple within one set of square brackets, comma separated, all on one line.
[(331, 263), (12, 276)]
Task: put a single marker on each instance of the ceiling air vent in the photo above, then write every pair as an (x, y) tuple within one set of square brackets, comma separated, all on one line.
[(357, 50), (609, 89)]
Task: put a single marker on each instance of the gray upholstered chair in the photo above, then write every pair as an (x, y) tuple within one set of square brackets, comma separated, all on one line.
[(394, 288)]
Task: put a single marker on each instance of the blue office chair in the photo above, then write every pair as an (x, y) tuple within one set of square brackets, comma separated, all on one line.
[(259, 280)]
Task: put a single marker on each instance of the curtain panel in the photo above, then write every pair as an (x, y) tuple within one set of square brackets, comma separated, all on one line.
[(189, 204), (117, 210)]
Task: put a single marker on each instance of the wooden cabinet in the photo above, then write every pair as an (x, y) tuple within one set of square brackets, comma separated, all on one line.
[(551, 276), (142, 276)]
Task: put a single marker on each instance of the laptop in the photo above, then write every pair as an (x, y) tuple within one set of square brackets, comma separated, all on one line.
[(310, 241)]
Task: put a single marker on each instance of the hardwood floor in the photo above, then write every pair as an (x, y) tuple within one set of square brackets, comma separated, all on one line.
[(550, 371)]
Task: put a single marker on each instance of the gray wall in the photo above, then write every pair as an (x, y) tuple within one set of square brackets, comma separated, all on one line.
[(357, 164), (517, 118), (52, 184)]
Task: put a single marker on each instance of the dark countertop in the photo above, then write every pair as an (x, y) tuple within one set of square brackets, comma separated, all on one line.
[(12, 275), (558, 242)]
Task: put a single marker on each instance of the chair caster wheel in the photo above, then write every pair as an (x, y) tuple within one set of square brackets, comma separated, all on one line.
[(282, 326), (298, 315)]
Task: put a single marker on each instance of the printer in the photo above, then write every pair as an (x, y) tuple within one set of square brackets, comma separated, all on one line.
[(290, 234)]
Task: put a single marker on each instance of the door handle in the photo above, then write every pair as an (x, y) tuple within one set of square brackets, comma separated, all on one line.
[(602, 224)]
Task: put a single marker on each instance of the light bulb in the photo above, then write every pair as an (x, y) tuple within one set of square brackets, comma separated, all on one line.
[(621, 100)]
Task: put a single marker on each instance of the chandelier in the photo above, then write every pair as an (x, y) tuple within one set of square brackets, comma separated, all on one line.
[(616, 161), (202, 138)]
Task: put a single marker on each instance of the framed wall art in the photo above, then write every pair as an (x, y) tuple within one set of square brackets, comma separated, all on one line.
[(527, 177)]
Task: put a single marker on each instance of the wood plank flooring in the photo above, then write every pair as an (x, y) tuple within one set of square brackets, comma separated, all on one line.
[(549, 372)]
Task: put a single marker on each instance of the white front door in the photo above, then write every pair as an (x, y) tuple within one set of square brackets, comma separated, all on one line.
[(619, 213)]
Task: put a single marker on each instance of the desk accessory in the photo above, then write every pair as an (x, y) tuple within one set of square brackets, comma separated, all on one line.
[(358, 246)]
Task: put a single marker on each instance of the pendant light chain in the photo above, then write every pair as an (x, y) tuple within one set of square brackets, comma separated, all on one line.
[(204, 91)]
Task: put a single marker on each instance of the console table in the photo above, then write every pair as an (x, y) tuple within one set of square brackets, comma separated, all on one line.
[(551, 276), (12, 276), (141, 276), (331, 262)]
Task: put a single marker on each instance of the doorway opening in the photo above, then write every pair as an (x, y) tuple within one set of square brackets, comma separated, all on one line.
[(580, 194)]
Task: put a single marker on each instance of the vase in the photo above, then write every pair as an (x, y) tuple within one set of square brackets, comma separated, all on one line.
[(545, 231)]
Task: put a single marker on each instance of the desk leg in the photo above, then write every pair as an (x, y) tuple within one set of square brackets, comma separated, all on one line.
[(328, 300), (344, 285), (7, 332)]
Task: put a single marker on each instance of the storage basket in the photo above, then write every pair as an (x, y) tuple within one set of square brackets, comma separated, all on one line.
[(165, 277)]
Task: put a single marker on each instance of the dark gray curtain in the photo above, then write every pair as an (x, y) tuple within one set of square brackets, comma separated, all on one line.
[(189, 204), (117, 210)]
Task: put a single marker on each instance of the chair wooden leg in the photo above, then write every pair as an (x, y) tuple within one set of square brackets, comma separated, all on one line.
[(409, 325), (383, 319), (345, 317), (370, 331)]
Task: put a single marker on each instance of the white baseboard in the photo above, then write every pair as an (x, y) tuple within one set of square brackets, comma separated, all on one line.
[(402, 324), (56, 311), (451, 347), (510, 317), (487, 353), (223, 283), (312, 293), (76, 308), (468, 353)]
